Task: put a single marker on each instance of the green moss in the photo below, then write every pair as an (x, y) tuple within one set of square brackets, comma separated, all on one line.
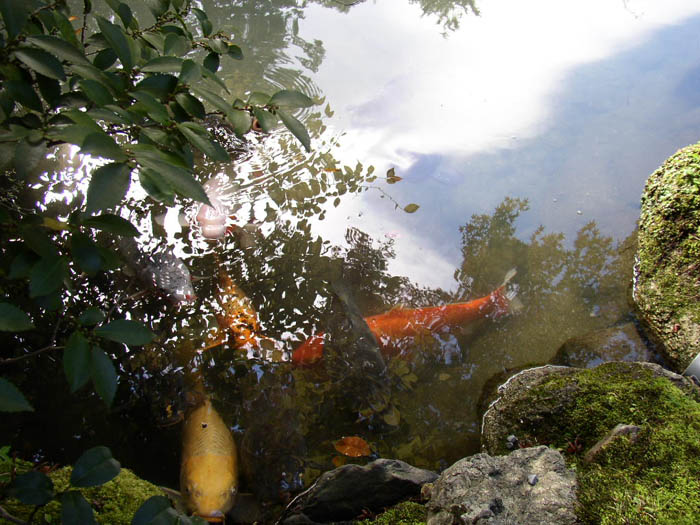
[(114, 502), (656, 479), (406, 513), (668, 285)]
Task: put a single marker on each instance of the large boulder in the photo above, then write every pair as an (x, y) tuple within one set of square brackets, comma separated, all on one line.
[(650, 463), (667, 273), (531, 485), (344, 493)]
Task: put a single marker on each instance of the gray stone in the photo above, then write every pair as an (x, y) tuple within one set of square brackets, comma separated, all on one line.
[(344, 493), (496, 490), (617, 343)]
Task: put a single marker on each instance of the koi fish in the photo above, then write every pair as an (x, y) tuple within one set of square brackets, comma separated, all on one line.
[(238, 321), (392, 328), (212, 219), (209, 464)]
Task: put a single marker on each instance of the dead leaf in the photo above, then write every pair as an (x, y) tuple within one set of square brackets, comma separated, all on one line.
[(353, 446)]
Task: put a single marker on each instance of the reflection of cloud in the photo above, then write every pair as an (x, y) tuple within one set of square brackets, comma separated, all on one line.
[(569, 108)]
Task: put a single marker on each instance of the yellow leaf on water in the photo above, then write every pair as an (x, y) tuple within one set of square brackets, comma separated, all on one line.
[(353, 446), (392, 417), (443, 377)]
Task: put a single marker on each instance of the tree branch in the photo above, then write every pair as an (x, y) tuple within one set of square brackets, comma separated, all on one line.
[(9, 517), (30, 354)]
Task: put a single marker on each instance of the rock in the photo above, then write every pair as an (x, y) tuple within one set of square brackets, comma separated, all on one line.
[(574, 409), (344, 493), (667, 273), (617, 343), (631, 431), (529, 485)]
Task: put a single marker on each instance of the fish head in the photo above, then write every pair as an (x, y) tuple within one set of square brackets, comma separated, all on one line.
[(209, 485)]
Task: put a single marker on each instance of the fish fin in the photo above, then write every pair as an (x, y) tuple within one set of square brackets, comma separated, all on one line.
[(516, 305), (511, 273)]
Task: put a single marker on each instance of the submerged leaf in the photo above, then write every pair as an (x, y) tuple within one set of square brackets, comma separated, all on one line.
[(353, 446)]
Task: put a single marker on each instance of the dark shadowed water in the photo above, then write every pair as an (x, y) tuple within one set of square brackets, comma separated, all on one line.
[(523, 131)]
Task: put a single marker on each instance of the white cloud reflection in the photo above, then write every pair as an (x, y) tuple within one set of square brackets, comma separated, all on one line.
[(402, 93)]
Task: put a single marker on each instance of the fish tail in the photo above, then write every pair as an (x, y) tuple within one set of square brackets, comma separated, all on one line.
[(511, 292), (509, 276)]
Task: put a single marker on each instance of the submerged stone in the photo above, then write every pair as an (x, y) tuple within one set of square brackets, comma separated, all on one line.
[(667, 280)]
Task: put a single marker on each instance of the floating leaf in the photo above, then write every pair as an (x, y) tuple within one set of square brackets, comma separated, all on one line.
[(95, 467), (103, 374), (291, 99), (112, 224), (76, 361), (41, 62), (12, 319), (353, 446), (297, 128), (411, 208), (11, 399), (32, 488), (75, 509), (126, 331), (108, 186)]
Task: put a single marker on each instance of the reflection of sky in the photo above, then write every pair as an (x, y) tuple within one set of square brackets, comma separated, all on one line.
[(569, 107)]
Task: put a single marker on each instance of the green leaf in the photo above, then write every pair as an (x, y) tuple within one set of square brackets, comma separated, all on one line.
[(41, 62), (104, 59), (96, 91), (211, 62), (12, 319), (126, 331), (76, 361), (190, 72), (234, 52), (164, 64), (15, 14), (296, 127), (65, 28), (112, 224), (22, 265), (91, 316), (85, 253), (32, 488), (38, 241), (291, 99), (11, 399), (157, 510), (118, 40), (157, 7), (202, 142), (240, 120), (75, 509), (154, 108), (95, 467), (49, 88), (411, 208), (47, 276), (157, 188), (218, 46), (180, 179), (108, 186), (60, 48), (104, 375), (102, 145), (267, 120), (24, 94), (191, 104), (27, 157), (176, 45), (204, 21), (257, 98)]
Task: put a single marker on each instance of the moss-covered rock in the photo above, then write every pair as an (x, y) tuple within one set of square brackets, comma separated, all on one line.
[(113, 503), (652, 479), (406, 513), (667, 286)]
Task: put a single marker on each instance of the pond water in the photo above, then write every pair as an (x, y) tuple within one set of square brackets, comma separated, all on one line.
[(523, 132)]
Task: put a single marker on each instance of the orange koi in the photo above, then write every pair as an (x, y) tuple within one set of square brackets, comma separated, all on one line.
[(393, 328)]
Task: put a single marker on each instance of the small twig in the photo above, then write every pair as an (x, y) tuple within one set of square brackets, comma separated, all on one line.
[(30, 354), (9, 517)]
